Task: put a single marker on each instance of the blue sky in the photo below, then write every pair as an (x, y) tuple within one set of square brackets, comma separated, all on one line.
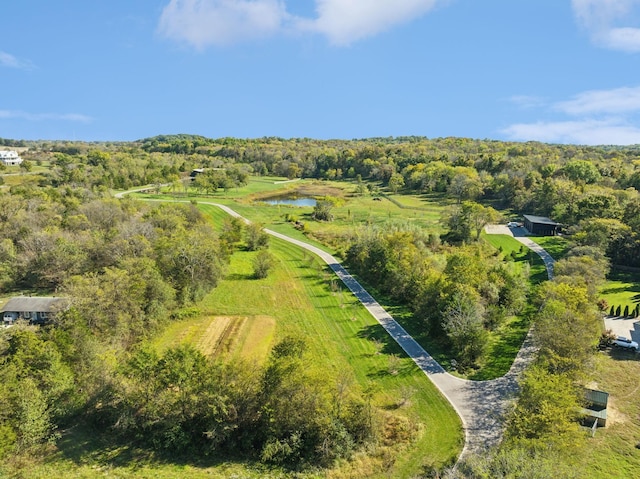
[(557, 71)]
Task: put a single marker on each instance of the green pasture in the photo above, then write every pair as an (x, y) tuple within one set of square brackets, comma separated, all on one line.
[(504, 342), (512, 250), (351, 211)]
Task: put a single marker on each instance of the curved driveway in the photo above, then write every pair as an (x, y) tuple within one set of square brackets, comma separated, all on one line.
[(480, 404)]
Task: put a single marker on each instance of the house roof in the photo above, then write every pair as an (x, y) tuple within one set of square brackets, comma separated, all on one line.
[(541, 220), (43, 304)]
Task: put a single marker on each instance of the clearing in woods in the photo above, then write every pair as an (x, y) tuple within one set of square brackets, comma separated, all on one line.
[(249, 337)]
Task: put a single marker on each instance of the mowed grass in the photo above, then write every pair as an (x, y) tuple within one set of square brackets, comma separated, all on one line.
[(520, 255), (249, 337), (352, 211), (621, 289), (556, 246)]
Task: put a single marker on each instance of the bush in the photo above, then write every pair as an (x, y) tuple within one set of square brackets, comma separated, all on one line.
[(262, 264)]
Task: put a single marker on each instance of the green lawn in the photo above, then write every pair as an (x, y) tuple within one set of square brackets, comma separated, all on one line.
[(513, 250), (622, 288), (556, 246)]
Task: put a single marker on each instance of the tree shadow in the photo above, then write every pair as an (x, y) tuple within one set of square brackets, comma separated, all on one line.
[(85, 444), (239, 276), (379, 335)]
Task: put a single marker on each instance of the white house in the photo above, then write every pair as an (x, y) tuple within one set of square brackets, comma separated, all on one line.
[(10, 157)]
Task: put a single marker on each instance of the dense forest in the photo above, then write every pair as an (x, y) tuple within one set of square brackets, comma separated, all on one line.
[(130, 267)]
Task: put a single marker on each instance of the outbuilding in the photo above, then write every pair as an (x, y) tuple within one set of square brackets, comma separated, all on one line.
[(36, 310), (595, 410), (541, 225)]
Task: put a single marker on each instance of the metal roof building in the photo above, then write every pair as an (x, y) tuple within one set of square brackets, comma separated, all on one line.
[(541, 225)]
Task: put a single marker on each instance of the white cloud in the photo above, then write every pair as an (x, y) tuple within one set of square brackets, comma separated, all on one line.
[(618, 100), (527, 101), (201, 23), (8, 60), (582, 132), (22, 115), (626, 39), (600, 117), (344, 22), (602, 20)]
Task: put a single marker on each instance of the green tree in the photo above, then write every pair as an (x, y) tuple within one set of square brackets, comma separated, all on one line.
[(567, 327), (396, 182), (322, 211), (464, 324), (547, 408), (582, 170), (232, 229), (478, 216), (193, 261), (26, 166), (263, 262), (255, 237)]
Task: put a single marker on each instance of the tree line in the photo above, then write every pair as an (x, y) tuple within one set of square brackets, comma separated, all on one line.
[(592, 191)]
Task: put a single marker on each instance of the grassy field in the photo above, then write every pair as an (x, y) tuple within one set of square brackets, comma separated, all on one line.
[(305, 300), (354, 211), (351, 211), (249, 337)]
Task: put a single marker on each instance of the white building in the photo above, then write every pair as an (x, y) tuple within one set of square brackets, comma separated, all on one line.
[(10, 157)]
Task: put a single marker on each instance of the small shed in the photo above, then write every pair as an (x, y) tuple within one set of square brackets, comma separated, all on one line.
[(36, 310), (540, 225), (595, 409)]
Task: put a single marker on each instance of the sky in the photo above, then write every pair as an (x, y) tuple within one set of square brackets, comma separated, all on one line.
[(556, 71)]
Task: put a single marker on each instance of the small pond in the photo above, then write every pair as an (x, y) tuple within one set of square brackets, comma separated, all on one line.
[(291, 201)]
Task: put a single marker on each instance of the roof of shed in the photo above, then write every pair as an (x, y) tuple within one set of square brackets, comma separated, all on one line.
[(541, 220), (43, 304), (596, 397)]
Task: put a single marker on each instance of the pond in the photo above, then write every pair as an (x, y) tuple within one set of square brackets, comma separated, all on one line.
[(291, 201)]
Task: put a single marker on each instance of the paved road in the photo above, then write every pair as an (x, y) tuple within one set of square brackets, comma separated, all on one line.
[(627, 327), (480, 404)]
